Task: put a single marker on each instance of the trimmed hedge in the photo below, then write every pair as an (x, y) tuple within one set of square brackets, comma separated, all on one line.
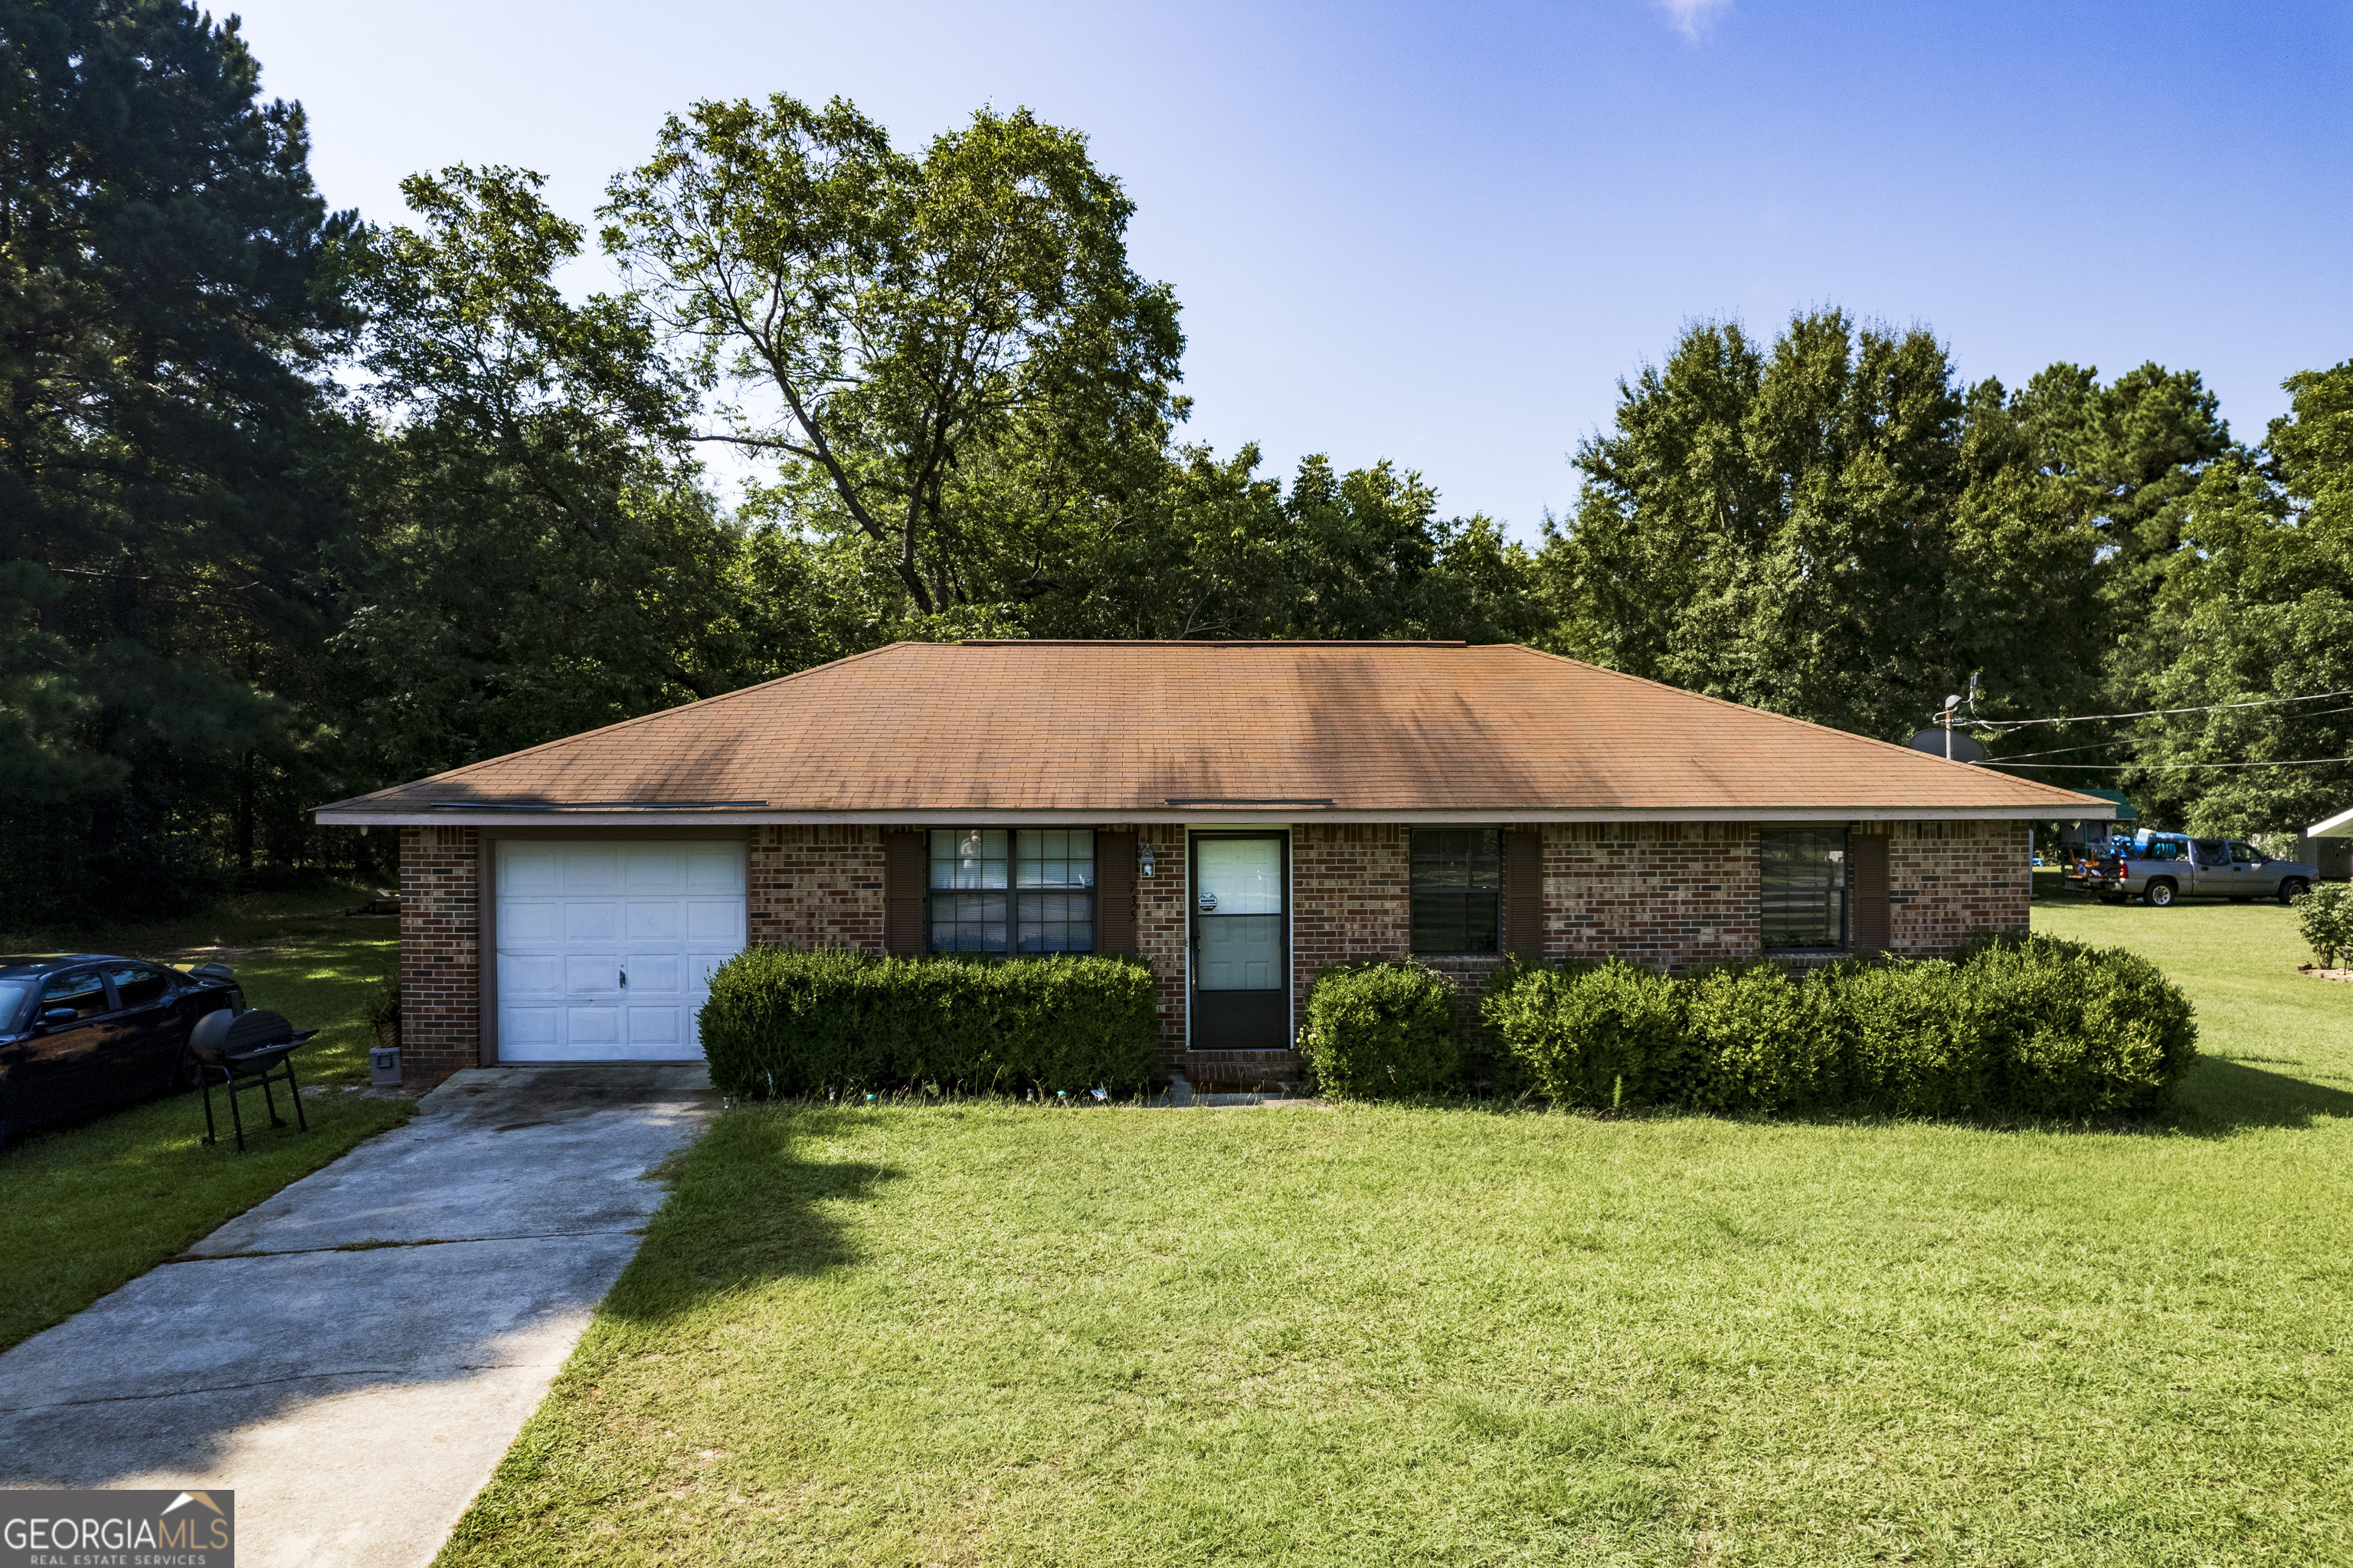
[(785, 1021), (1377, 1027), (2015, 1025)]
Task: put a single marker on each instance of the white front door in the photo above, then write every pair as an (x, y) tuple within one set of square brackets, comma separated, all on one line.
[(606, 948)]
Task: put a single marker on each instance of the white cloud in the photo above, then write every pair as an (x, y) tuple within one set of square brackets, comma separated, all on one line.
[(1693, 19)]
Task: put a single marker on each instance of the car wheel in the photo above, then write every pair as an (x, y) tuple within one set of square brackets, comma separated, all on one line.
[(2291, 889), (2159, 895)]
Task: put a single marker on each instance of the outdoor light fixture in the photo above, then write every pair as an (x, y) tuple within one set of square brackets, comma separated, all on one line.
[(1145, 852)]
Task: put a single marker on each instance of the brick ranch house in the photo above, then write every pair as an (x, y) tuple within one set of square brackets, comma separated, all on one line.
[(1241, 814)]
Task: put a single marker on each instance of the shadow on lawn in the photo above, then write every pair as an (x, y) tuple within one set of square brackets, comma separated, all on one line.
[(2222, 1097), (754, 1200)]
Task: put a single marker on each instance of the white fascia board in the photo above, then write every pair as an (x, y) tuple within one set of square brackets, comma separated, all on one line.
[(2339, 826), (2101, 811)]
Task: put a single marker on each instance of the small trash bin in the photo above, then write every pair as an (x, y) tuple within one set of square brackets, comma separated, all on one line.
[(384, 1066)]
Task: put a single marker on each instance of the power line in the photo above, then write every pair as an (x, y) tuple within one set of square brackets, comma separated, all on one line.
[(2154, 713), (2134, 740)]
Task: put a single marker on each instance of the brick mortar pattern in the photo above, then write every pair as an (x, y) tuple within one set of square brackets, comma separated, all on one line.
[(1948, 881), (440, 952), (815, 887)]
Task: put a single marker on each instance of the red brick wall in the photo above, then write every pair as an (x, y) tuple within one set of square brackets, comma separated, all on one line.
[(1664, 894), (440, 953), (1160, 927), (1947, 881), (1350, 897), (1670, 894), (815, 887)]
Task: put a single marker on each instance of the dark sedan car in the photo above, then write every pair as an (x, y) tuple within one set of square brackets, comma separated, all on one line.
[(81, 1032)]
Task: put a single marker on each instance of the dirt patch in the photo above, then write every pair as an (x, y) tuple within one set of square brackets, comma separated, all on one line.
[(2345, 975)]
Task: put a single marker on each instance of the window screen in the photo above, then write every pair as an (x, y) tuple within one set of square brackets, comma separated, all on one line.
[(1458, 884), (1805, 888), (1000, 890)]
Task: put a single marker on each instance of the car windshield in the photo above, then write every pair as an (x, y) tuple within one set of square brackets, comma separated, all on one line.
[(12, 993)]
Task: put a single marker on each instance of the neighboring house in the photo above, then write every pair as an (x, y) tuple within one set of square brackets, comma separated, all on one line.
[(2328, 846), (1241, 814)]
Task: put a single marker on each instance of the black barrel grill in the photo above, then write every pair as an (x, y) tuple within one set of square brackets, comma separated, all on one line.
[(250, 1050)]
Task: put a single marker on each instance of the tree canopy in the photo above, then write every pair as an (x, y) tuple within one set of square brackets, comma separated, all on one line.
[(293, 505)]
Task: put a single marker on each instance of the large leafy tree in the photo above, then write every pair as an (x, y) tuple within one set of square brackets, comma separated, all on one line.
[(1830, 527), (162, 438), (538, 555), (948, 355), (2257, 603)]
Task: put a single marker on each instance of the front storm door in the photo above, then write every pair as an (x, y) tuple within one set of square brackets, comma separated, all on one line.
[(1241, 948)]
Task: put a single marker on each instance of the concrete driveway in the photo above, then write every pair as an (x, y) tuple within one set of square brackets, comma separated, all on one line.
[(354, 1356)]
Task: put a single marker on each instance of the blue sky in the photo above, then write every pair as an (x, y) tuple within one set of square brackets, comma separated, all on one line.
[(1440, 234)]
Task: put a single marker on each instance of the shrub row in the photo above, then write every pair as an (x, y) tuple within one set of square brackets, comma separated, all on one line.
[(785, 1022), (2032, 1026), (2020, 1025)]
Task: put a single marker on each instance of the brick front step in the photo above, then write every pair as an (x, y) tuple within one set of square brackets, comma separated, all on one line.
[(1251, 1067)]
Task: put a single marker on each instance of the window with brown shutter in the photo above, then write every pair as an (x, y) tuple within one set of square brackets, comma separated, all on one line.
[(1524, 894), (1115, 893), (905, 873), (1011, 890)]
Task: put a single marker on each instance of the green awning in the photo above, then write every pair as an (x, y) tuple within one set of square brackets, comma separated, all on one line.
[(2124, 813)]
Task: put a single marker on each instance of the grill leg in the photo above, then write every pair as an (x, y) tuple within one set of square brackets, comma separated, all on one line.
[(270, 1100), (237, 1117), (205, 1076), (295, 1095)]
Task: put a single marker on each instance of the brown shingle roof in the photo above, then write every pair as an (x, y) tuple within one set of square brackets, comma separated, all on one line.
[(1145, 730)]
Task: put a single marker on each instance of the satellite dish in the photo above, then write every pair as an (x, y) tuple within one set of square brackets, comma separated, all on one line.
[(1964, 746)]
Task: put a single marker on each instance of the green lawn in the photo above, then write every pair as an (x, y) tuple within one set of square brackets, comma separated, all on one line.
[(93, 1204), (998, 1334)]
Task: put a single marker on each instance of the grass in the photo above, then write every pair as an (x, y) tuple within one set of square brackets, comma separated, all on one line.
[(1000, 1334), (95, 1203)]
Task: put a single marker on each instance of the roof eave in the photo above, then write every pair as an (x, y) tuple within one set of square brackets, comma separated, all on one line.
[(339, 816)]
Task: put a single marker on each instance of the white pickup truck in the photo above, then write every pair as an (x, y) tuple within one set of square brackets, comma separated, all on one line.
[(2159, 868)]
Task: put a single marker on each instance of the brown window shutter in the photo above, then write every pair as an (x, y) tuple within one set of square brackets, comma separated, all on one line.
[(1114, 893), (1870, 929), (1524, 894), (905, 870)]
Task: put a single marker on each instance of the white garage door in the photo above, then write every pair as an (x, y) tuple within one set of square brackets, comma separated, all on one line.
[(605, 949)]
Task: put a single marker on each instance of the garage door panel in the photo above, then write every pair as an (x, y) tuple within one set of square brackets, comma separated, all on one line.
[(530, 977), (528, 922), (591, 921), (656, 871), (656, 973), (591, 974), (713, 870), (655, 921), (572, 916), (657, 1025), (589, 870), (591, 1026), (535, 870), (711, 920)]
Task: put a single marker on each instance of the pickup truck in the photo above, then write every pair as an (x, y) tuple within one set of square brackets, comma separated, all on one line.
[(2159, 868)]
